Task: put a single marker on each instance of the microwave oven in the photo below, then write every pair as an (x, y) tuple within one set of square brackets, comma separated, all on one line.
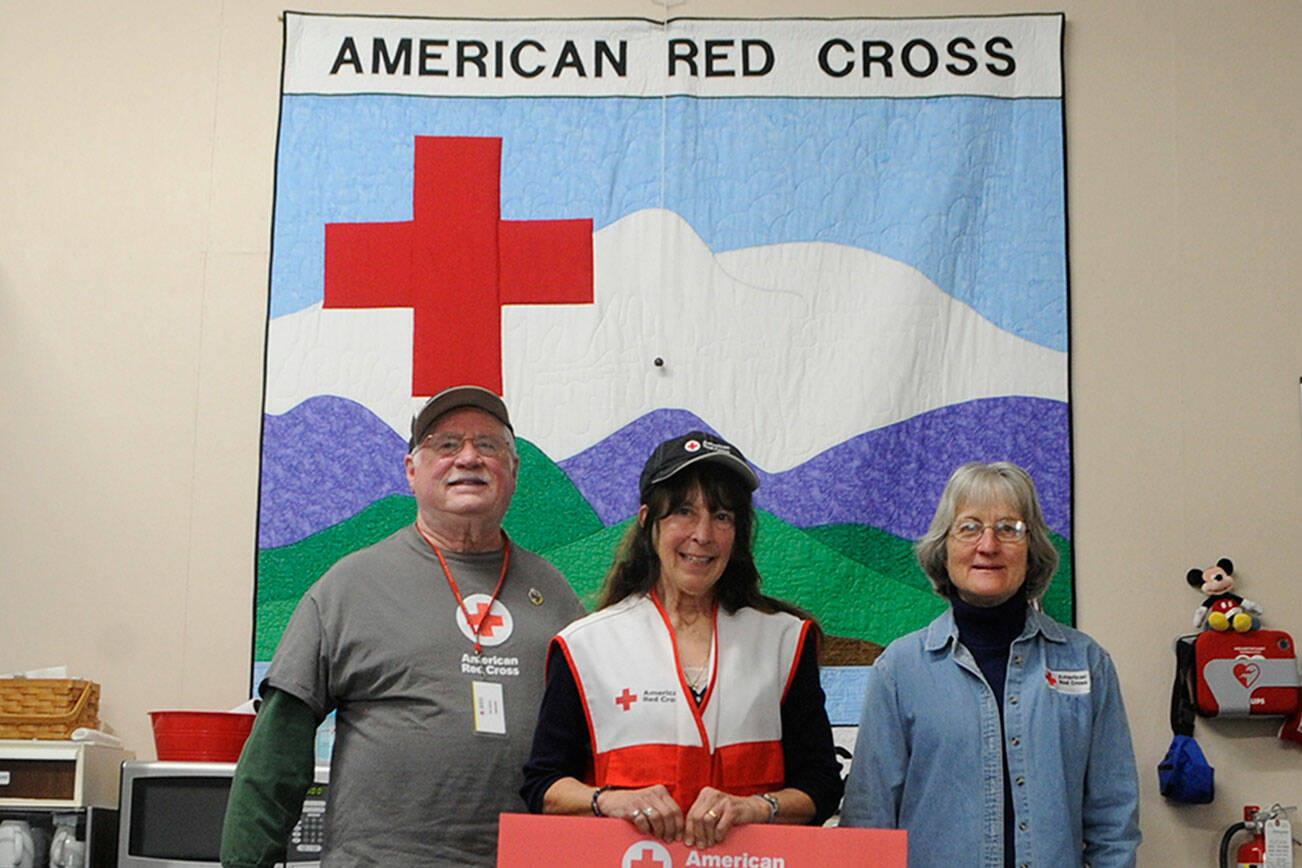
[(171, 815)]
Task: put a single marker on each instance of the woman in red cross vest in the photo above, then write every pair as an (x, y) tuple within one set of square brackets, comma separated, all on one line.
[(689, 703)]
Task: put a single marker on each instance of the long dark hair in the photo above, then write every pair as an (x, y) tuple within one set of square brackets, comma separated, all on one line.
[(637, 567)]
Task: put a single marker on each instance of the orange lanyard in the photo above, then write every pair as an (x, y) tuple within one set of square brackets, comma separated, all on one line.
[(475, 626)]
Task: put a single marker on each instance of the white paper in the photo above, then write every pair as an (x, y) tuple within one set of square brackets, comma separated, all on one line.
[(48, 672), (95, 736), (1279, 844)]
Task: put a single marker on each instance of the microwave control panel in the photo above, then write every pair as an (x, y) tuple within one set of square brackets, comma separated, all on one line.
[(306, 840)]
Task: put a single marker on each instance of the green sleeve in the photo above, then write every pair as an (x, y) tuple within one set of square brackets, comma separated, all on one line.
[(274, 772)]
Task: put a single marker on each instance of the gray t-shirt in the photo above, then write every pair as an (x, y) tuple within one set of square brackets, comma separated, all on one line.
[(418, 778)]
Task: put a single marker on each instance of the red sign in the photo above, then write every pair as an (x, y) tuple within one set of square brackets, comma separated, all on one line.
[(527, 840)]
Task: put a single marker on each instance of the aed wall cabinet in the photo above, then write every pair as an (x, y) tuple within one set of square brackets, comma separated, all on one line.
[(59, 774)]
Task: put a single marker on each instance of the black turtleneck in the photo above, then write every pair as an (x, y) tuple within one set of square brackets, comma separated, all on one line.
[(989, 633)]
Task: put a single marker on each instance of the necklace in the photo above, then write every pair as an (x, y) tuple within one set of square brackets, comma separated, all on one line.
[(695, 678), (698, 677)]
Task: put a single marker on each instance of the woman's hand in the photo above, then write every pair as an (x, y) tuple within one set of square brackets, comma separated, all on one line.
[(715, 812), (651, 809)]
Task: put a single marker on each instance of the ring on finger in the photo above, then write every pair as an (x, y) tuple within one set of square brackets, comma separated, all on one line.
[(637, 812), (650, 812), (711, 814)]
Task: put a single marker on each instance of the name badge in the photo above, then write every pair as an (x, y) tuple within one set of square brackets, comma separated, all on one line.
[(1073, 681), (490, 709)]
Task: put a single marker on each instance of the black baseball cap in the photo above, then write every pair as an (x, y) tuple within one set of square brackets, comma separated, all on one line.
[(691, 448), (451, 399)]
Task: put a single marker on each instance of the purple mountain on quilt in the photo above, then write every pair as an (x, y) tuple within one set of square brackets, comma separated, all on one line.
[(889, 478), (336, 456), (322, 462)]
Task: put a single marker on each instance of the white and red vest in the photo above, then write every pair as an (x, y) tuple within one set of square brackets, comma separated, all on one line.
[(643, 724)]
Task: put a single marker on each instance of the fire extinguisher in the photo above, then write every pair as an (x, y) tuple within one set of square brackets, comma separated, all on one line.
[(1253, 853)]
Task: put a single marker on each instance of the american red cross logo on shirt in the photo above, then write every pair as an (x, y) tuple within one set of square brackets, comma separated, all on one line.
[(456, 263), (482, 622), (625, 699)]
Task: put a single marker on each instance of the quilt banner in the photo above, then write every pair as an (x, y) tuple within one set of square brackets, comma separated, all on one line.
[(838, 243)]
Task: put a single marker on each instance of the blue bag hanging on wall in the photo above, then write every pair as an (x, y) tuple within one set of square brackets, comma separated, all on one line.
[(1184, 775)]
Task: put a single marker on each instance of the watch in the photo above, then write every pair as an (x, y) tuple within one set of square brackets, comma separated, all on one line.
[(596, 794), (773, 805)]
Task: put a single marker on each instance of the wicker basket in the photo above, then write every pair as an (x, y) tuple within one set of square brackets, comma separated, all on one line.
[(47, 707)]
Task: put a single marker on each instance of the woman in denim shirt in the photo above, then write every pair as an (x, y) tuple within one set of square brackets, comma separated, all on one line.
[(995, 736)]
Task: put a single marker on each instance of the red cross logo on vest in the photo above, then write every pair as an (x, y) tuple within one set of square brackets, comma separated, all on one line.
[(456, 263), (625, 699)]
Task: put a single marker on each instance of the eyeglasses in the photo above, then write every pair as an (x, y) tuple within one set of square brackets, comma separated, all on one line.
[(1007, 530), (448, 445)]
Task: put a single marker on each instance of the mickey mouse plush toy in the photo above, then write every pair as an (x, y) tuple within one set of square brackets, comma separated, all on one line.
[(1222, 610)]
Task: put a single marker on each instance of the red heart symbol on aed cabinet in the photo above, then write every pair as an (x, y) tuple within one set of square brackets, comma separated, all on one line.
[(1247, 673)]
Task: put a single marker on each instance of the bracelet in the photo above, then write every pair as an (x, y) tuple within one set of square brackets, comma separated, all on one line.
[(596, 810), (773, 805)]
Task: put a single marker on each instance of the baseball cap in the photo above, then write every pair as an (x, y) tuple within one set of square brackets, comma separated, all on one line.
[(691, 448), (451, 399)]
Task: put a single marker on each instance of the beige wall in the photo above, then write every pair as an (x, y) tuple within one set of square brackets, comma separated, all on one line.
[(136, 158)]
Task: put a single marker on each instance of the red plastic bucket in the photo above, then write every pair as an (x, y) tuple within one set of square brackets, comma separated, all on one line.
[(200, 736)]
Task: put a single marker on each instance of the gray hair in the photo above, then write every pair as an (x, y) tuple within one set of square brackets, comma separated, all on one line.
[(977, 481), (511, 449), (509, 436)]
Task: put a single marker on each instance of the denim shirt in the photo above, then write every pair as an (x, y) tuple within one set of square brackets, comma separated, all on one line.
[(928, 756)]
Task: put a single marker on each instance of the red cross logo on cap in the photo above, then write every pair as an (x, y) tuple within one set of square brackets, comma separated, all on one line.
[(692, 446)]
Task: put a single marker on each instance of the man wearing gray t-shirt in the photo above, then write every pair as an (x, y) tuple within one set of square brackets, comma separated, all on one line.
[(429, 646)]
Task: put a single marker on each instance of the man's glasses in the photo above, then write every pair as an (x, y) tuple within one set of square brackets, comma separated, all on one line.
[(1007, 530), (448, 445)]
